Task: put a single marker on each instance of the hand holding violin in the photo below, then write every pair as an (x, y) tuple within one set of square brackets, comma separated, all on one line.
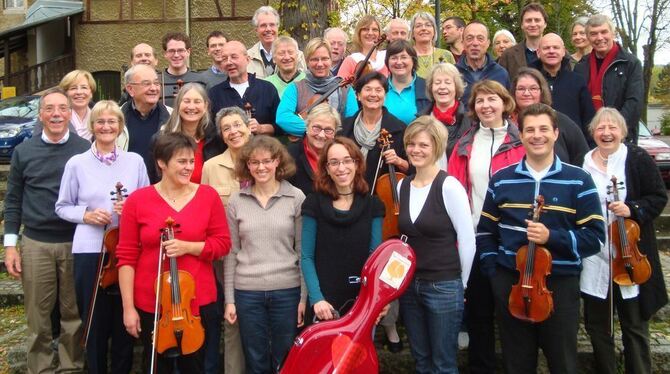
[(537, 232), (392, 158), (118, 207), (177, 248), (619, 208), (253, 125)]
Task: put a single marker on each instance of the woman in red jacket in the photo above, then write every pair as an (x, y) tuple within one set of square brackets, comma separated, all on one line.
[(202, 237), (491, 144)]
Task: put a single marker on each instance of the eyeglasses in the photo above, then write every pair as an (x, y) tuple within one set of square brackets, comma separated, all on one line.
[(532, 89), (316, 130), (256, 163), (334, 164), (146, 84), (235, 126), (111, 122), (180, 51)]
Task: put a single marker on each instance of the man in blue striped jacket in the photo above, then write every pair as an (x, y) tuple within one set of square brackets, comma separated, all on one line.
[(571, 227)]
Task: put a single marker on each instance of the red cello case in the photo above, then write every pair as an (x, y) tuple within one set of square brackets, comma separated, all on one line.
[(345, 345)]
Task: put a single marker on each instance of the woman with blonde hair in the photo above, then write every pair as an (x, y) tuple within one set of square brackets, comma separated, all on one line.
[(366, 35), (424, 34)]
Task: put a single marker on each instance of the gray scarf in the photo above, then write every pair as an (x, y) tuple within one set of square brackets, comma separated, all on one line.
[(321, 85), (366, 138)]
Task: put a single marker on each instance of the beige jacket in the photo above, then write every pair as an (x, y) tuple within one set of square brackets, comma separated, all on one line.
[(256, 61), (219, 172)]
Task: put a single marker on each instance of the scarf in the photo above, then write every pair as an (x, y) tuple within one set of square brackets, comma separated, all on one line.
[(366, 138), (596, 77), (321, 85), (312, 156), (106, 159), (447, 117)]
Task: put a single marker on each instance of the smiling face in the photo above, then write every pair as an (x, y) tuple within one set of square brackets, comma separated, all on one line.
[(286, 57), (538, 137), (177, 54), (144, 54), (267, 28), (341, 169), (551, 50), (527, 92), (262, 166), (319, 131), (234, 132), (607, 135), (489, 109), (55, 115), (401, 64), (602, 39), (444, 90), (368, 35), (106, 128), (192, 107), (372, 95), (80, 93), (215, 46), (145, 88), (578, 38), (423, 31), (420, 150), (319, 63), (533, 24), (179, 168)]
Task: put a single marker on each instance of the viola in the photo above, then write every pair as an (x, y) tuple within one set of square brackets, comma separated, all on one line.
[(629, 265), (386, 188), (179, 332), (364, 66), (530, 300), (317, 99), (345, 345), (107, 273)]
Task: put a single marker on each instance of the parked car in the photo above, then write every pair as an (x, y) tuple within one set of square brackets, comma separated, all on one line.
[(18, 116), (658, 149)]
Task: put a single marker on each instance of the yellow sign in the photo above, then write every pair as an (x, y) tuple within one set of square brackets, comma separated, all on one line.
[(8, 92)]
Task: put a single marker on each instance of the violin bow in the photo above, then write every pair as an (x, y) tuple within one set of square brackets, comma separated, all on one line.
[(154, 333)]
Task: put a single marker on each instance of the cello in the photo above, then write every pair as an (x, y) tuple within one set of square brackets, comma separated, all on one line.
[(629, 265), (530, 300), (345, 345), (178, 332), (107, 273), (386, 188)]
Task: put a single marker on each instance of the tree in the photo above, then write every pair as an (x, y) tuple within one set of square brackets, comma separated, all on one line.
[(662, 89), (304, 19), (384, 10), (633, 21)]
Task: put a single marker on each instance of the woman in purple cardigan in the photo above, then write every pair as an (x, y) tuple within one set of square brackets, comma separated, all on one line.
[(85, 199)]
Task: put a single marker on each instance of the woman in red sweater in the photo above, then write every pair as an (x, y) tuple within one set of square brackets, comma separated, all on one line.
[(201, 238)]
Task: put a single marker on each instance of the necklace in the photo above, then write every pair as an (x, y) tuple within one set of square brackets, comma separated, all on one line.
[(173, 200), (602, 159), (346, 194)]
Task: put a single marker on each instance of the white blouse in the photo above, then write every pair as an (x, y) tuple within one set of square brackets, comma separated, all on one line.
[(595, 276)]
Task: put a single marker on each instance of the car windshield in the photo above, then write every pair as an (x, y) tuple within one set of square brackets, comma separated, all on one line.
[(23, 107), (643, 130)]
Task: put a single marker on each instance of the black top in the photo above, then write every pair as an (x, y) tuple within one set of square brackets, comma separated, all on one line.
[(342, 244), (432, 235), (304, 176), (140, 130)]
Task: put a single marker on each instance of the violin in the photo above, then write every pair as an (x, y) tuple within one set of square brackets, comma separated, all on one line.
[(530, 300), (345, 345), (249, 110), (107, 273), (386, 188), (178, 332), (364, 66), (629, 266)]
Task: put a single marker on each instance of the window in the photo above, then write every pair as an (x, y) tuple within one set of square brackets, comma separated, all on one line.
[(14, 5)]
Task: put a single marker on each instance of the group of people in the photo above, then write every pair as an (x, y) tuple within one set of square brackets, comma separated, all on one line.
[(271, 199)]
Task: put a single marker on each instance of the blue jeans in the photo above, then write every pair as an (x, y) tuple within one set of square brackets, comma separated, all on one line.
[(432, 313), (268, 322)]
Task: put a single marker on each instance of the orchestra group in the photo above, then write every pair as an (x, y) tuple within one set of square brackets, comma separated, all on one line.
[(213, 215)]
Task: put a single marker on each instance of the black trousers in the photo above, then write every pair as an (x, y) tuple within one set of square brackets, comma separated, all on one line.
[(107, 319), (479, 317), (634, 328), (556, 336), (192, 363)]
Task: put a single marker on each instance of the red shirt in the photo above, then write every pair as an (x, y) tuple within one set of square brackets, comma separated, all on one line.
[(202, 219), (199, 161)]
